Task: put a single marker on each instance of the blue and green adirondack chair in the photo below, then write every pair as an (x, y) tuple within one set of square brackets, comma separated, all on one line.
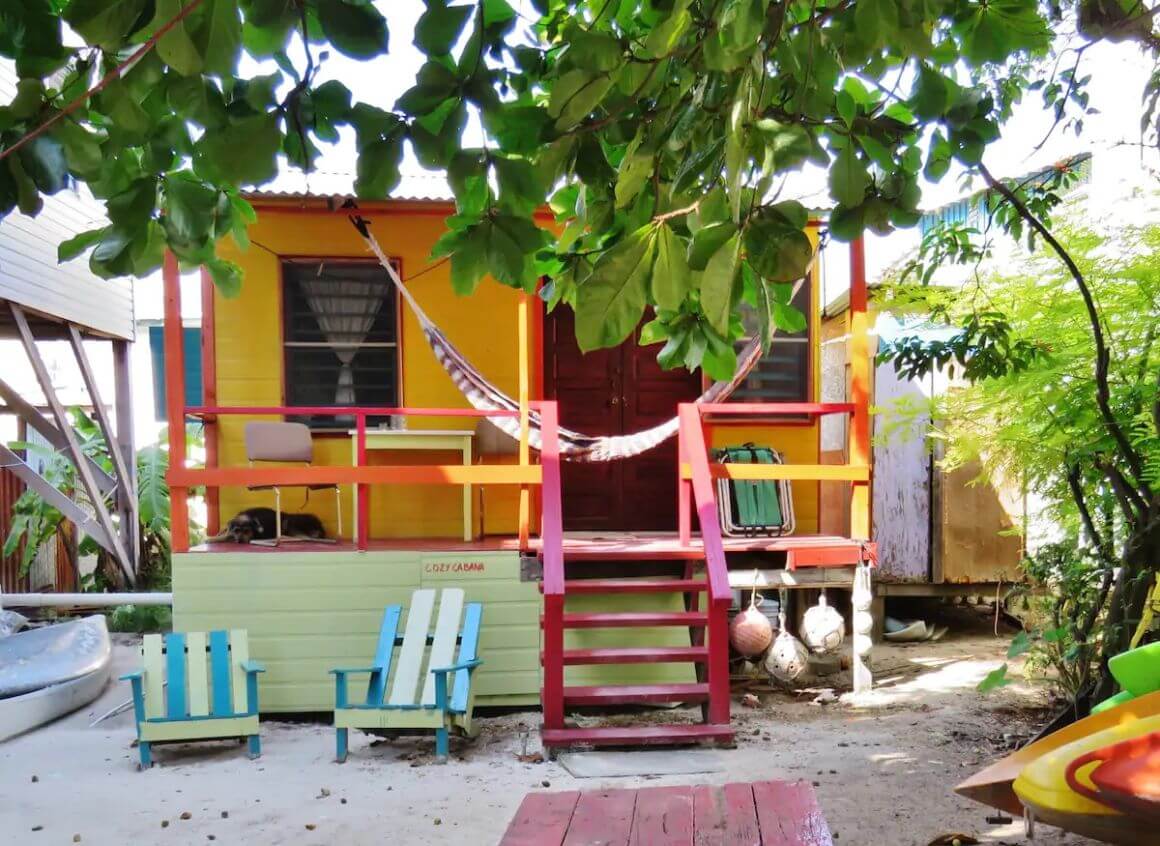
[(442, 698), (180, 696)]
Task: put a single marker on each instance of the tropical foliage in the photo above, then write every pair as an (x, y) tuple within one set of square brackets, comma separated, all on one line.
[(1071, 411), (660, 132)]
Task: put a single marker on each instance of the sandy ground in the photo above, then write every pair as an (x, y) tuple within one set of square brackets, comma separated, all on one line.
[(883, 773)]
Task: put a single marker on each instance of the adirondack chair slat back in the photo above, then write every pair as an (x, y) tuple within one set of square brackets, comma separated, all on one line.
[(468, 650), (384, 653), (180, 683), (410, 661), (442, 651)]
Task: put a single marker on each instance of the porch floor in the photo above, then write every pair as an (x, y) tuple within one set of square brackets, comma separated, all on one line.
[(801, 550)]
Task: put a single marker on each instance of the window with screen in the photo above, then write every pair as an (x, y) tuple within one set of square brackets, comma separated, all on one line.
[(783, 373), (340, 335)]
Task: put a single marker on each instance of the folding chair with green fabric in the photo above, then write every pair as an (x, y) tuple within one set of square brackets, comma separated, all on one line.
[(753, 507), (180, 696), (442, 698)]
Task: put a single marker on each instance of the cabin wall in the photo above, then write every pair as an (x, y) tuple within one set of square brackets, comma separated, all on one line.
[(250, 364), (930, 525)]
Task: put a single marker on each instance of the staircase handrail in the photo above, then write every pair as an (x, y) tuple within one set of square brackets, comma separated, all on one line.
[(695, 451)]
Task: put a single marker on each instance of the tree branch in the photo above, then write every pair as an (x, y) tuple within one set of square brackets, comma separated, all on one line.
[(1103, 357), (115, 73)]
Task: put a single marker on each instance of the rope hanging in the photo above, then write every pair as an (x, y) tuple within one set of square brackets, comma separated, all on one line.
[(574, 446)]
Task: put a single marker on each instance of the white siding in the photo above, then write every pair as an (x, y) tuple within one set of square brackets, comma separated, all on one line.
[(30, 274)]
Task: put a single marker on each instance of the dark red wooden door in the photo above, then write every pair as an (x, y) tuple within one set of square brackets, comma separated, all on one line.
[(615, 392)]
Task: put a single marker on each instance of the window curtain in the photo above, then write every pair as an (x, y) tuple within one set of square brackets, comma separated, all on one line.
[(345, 310)]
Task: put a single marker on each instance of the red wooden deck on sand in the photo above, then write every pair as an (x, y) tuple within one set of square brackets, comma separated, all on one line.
[(764, 813)]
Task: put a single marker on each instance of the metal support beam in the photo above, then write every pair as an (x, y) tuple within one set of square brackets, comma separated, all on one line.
[(88, 481), (22, 470), (27, 412), (83, 600), (125, 487)]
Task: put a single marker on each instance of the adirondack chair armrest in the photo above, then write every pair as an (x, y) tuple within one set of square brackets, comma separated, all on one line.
[(136, 674), (345, 671), (468, 665), (137, 680), (253, 667)]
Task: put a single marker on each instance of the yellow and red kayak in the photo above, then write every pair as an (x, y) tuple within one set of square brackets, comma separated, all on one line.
[(1060, 794), (992, 786), (1126, 776)]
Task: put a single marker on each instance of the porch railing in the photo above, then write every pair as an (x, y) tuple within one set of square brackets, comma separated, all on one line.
[(360, 474)]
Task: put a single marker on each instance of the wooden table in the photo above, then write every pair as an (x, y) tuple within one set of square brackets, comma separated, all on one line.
[(763, 813), (418, 440)]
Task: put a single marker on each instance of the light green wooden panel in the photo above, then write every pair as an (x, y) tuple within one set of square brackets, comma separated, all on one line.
[(154, 663), (199, 729)]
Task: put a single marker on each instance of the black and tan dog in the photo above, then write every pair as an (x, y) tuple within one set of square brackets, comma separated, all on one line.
[(258, 524)]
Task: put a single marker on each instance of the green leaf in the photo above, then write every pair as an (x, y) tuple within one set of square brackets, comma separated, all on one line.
[(357, 30), (575, 95), (787, 144), (29, 99), (707, 241), (81, 147), (849, 178), (176, 47), (439, 27), (788, 319), (112, 256), (219, 37), (847, 108), (717, 284), (520, 191), (243, 152), (469, 260), (45, 163), (74, 246), (995, 679), (666, 34), (671, 279), (189, 208), (227, 277), (611, 302), (103, 23), (378, 169), (512, 242), (1019, 645), (632, 176), (497, 12), (131, 208)]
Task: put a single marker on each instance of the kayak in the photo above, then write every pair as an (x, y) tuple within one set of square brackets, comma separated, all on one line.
[(50, 671), (992, 786), (1047, 787)]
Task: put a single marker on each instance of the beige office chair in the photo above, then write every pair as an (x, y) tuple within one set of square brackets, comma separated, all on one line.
[(273, 440)]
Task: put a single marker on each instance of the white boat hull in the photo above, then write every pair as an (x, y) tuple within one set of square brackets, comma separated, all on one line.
[(19, 714)]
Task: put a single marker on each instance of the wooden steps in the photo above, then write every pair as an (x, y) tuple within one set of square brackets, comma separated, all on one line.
[(633, 619), (634, 694), (652, 735), (577, 586), (637, 655)]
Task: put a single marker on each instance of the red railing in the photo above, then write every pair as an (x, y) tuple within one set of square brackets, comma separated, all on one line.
[(552, 535)]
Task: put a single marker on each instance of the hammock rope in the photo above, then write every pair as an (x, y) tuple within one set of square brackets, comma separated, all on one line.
[(574, 446)]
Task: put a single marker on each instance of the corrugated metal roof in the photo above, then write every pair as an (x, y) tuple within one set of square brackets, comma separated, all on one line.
[(293, 183)]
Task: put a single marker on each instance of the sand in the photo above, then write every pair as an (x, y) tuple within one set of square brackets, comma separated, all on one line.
[(883, 773)]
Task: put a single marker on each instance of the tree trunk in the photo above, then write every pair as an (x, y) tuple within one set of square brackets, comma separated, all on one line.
[(1133, 586)]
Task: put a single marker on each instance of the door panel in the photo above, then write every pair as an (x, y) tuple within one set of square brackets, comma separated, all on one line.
[(615, 392)]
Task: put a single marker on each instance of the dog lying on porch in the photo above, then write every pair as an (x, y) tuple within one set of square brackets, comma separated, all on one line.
[(260, 524)]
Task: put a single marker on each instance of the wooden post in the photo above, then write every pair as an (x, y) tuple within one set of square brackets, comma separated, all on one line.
[(212, 426), (362, 492), (126, 442), (524, 387), (174, 347), (859, 448), (684, 494), (553, 558)]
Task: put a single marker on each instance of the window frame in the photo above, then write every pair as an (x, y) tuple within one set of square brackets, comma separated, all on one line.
[(284, 345)]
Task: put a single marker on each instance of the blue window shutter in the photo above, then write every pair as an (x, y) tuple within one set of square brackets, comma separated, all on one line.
[(193, 391)]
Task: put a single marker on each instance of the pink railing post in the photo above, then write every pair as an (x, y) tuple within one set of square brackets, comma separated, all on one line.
[(717, 572), (552, 534), (362, 491)]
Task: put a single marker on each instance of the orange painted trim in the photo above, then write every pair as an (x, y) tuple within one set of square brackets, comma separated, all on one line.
[(428, 474), (523, 353), (209, 397), (174, 348), (860, 503), (367, 208), (793, 472)]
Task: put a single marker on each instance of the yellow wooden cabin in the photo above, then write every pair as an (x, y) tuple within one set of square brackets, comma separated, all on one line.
[(301, 335)]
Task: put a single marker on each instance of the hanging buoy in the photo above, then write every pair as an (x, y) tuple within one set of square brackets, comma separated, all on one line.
[(750, 633), (823, 628), (788, 658)]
